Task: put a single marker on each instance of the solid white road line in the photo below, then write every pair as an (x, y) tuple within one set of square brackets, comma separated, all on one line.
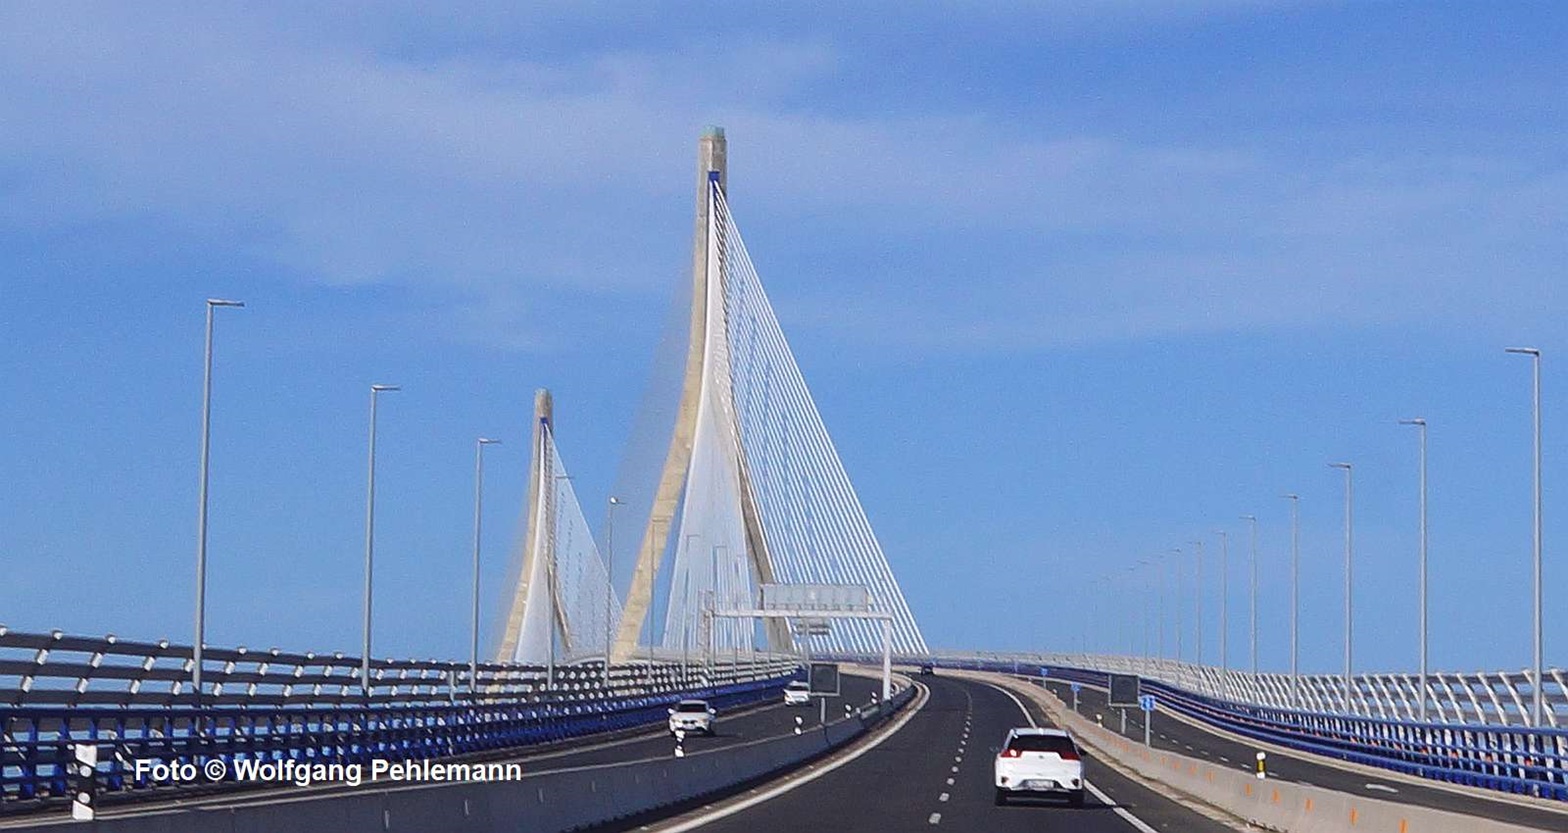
[(1095, 791), (792, 783), (1382, 788)]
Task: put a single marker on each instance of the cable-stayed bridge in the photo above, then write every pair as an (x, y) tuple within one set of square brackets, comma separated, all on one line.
[(751, 505)]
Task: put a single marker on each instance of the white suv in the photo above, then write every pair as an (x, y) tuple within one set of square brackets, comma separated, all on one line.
[(692, 716), (797, 693), (1039, 762)]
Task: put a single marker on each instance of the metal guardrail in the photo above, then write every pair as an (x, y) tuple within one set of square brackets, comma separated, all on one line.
[(56, 669), (1498, 698), (1512, 759), (132, 699)]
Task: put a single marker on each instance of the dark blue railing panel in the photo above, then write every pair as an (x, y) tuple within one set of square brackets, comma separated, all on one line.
[(37, 741)]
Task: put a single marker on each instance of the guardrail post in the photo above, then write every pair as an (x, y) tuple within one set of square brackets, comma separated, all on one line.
[(83, 781)]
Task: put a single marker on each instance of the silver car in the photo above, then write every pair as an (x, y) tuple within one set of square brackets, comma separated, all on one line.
[(692, 716)]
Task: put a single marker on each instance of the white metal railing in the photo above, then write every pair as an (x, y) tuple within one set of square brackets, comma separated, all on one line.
[(1500, 698)]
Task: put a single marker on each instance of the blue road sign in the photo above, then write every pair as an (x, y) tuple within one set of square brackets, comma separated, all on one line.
[(1076, 688), (1146, 702), (1045, 672)]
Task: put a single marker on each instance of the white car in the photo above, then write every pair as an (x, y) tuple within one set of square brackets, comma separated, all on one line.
[(797, 693), (1039, 762), (692, 716)]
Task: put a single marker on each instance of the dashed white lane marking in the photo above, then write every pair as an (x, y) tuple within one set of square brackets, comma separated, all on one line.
[(936, 818), (1095, 791), (914, 709), (955, 769), (958, 759), (950, 782), (942, 797), (1225, 759), (1382, 788)]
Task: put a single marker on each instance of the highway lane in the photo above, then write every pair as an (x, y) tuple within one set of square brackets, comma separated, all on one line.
[(935, 774), (731, 729), (1175, 735)]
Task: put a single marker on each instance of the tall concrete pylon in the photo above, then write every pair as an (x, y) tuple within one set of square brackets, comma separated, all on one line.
[(538, 478), (712, 171)]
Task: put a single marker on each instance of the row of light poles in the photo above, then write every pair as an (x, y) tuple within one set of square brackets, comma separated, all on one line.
[(1537, 706), (198, 643)]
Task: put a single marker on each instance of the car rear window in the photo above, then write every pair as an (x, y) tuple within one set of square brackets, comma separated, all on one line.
[(1042, 743), (692, 707)]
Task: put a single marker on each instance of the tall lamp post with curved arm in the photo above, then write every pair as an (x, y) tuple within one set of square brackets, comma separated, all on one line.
[(201, 511), (1349, 583), (1420, 423), (479, 500), (1295, 599), (1537, 702)]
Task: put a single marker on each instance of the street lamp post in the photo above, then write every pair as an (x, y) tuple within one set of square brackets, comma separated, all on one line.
[(1252, 523), (479, 500), (201, 510), (1176, 551), (1349, 491), (1159, 564), (1224, 602), (1420, 423), (1198, 597), (370, 534), (1143, 562), (1295, 598), (609, 583), (1537, 702)]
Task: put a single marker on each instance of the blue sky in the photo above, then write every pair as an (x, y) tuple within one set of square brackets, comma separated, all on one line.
[(1072, 283)]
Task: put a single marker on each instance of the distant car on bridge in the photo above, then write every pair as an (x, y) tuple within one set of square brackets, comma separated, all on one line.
[(797, 693), (1039, 762), (692, 716)]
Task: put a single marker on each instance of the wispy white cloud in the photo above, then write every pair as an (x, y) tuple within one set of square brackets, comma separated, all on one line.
[(477, 174)]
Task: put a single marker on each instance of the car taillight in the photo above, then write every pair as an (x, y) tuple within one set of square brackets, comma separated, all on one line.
[(1011, 753), (1069, 755)]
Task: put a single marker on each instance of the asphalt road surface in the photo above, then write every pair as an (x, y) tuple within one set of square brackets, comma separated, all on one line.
[(935, 773), (1175, 735), (733, 728)]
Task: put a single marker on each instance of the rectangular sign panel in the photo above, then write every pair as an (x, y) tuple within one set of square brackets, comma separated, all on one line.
[(843, 597), (1124, 690), (824, 679)]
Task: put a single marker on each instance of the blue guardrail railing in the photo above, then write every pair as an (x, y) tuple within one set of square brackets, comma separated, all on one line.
[(37, 743), (1507, 759)]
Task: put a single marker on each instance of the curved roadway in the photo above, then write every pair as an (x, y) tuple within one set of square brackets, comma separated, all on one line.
[(935, 774)]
